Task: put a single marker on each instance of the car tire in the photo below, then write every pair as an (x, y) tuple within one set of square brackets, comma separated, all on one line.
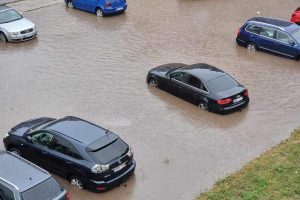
[(153, 82), (251, 46), (99, 12), (3, 37), (15, 151), (70, 4), (75, 181), (203, 105)]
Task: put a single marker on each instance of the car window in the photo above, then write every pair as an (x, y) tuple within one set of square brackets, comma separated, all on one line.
[(183, 77), (253, 29), (283, 37), (221, 83), (6, 193), (63, 146), (42, 138), (267, 32), (49, 189)]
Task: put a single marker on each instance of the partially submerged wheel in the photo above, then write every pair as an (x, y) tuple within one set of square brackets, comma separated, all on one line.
[(251, 46), (203, 106), (3, 37), (99, 12), (15, 151), (153, 82), (70, 4), (75, 181)]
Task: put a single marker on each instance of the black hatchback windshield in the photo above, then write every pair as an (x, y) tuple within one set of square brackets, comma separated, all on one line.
[(110, 152), (9, 16), (46, 190), (221, 83)]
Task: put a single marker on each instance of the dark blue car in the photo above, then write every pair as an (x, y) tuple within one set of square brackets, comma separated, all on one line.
[(88, 155), (100, 7), (273, 35)]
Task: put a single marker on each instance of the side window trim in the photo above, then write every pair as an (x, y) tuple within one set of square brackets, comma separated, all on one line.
[(191, 85), (37, 132), (69, 146), (290, 38)]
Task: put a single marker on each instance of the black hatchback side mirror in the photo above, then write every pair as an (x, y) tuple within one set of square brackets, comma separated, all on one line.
[(29, 139)]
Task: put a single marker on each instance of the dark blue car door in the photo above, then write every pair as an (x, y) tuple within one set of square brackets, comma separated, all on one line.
[(267, 40), (286, 45), (81, 4)]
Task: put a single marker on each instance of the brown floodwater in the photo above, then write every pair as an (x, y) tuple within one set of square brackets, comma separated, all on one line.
[(96, 68)]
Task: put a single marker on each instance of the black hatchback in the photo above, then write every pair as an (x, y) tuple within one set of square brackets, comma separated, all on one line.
[(204, 85), (88, 155)]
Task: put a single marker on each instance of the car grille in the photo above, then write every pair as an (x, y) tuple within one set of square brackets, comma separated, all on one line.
[(27, 31)]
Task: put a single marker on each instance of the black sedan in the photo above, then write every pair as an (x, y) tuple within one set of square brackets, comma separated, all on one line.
[(204, 85)]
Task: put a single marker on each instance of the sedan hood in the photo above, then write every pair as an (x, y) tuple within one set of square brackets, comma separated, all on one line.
[(17, 26), (21, 128), (163, 69), (230, 92)]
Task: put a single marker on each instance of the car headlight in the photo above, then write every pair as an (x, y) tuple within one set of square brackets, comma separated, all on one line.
[(130, 152), (99, 168), (14, 33)]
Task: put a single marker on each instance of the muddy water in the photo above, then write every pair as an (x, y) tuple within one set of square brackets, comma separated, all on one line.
[(95, 69)]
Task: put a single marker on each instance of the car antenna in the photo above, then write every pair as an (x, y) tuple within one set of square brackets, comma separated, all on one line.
[(107, 131)]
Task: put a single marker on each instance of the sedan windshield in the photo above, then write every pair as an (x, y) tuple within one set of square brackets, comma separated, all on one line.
[(221, 83), (9, 16), (296, 35)]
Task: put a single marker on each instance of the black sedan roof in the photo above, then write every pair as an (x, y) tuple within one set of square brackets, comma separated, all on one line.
[(203, 71)]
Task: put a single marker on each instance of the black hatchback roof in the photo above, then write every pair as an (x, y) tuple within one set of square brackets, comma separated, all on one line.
[(203, 71), (19, 172), (78, 129)]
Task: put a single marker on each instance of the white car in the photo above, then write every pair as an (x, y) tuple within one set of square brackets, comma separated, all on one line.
[(14, 27)]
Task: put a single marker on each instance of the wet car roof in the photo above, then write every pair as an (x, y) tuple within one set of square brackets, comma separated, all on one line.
[(277, 23), (77, 129), (203, 71), (20, 172)]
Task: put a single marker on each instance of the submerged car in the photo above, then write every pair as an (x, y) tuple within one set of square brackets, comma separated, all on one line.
[(272, 35), (23, 180), (88, 155), (14, 27), (204, 85), (100, 7), (296, 16)]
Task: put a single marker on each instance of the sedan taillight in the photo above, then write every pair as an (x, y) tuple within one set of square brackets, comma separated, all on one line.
[(246, 93), (224, 101)]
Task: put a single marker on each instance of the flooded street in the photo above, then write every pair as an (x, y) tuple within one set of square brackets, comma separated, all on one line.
[(96, 68)]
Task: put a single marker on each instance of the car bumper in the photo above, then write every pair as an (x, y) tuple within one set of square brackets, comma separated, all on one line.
[(101, 186), (240, 42), (22, 37), (237, 106), (115, 10)]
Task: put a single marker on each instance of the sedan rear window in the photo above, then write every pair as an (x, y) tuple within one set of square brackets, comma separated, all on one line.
[(110, 152), (9, 16), (221, 83), (48, 189)]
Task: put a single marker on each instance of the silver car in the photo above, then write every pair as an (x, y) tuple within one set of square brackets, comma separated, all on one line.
[(14, 27)]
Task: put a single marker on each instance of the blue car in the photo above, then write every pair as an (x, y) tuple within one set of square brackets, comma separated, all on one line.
[(272, 35), (100, 7)]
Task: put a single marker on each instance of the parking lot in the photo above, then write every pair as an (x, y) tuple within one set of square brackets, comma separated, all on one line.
[(95, 68)]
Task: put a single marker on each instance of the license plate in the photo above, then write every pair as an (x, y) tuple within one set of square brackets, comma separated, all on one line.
[(119, 167), (119, 9), (237, 99)]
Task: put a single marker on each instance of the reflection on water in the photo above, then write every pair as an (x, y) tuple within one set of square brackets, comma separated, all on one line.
[(96, 68)]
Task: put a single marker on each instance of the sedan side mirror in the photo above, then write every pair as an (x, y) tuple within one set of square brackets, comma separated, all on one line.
[(29, 139), (292, 43)]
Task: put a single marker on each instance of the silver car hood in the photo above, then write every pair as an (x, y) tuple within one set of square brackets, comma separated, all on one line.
[(17, 26)]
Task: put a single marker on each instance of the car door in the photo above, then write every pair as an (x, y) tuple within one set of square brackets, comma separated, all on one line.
[(63, 158), (195, 89), (253, 34), (177, 81), (267, 39), (286, 45), (37, 148), (80, 4)]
